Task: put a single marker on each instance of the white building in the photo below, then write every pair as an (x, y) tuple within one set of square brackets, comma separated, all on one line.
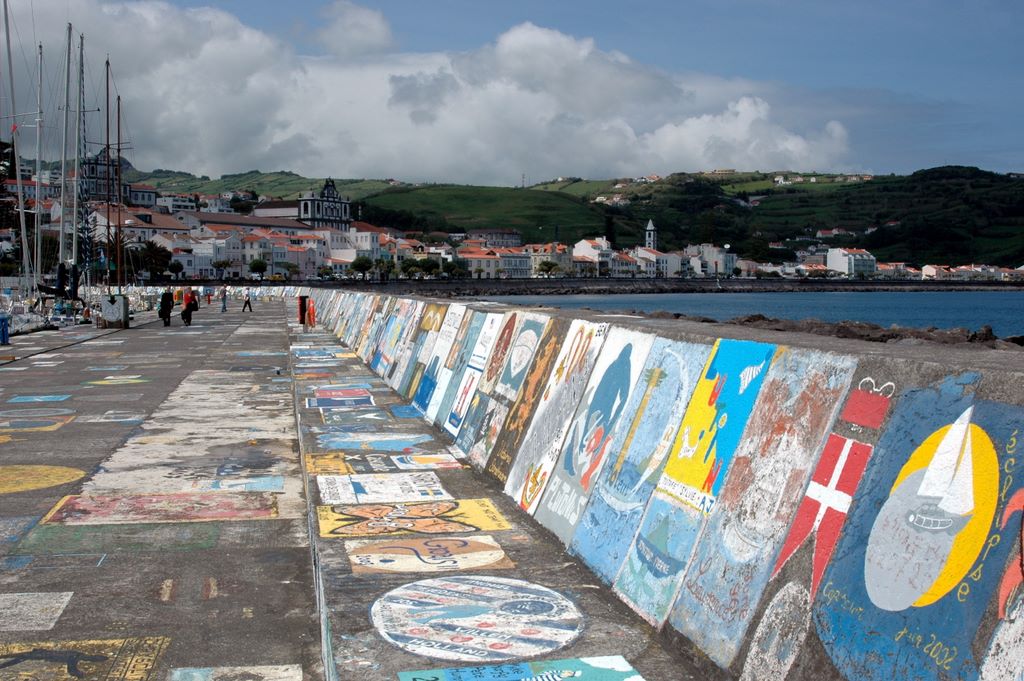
[(850, 261), (176, 202), (596, 251)]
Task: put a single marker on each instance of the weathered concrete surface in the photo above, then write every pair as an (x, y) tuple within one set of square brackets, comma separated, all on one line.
[(363, 554), (800, 507), (151, 505)]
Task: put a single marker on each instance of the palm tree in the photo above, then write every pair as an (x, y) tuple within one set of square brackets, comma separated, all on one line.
[(155, 259)]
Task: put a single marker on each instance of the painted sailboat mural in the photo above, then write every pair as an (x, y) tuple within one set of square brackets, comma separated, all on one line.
[(948, 484)]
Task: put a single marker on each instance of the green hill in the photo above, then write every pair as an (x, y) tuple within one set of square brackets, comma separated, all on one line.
[(281, 184), (951, 215), (538, 215)]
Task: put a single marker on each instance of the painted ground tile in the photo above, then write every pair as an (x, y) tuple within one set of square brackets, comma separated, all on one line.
[(144, 537), (454, 362), (521, 412), (426, 554), (520, 353), (163, 508), (553, 413), (119, 659), (114, 416), (637, 455), (434, 369), (432, 517), (923, 551), (476, 618), (363, 400), (800, 397), (349, 464), (585, 448), (23, 399), (285, 672), (714, 420), (406, 411), (24, 478), (382, 442), (13, 529), (32, 611), (337, 392), (374, 488), (611, 668), (240, 483), (343, 417)]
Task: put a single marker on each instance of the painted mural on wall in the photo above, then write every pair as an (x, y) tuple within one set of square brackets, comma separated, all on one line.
[(920, 560), (732, 563), (553, 412), (454, 364), (457, 404), (499, 353), (415, 357), (520, 413), (458, 516), (476, 618), (523, 345), (426, 554), (616, 372), (715, 418), (435, 372), (638, 454)]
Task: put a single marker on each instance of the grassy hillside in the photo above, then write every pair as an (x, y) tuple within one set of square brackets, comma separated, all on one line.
[(282, 184), (538, 215), (950, 215)]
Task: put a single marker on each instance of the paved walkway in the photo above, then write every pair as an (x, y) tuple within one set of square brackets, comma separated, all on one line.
[(155, 523), (152, 518)]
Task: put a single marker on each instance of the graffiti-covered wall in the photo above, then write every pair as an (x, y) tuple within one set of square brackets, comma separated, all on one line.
[(789, 511)]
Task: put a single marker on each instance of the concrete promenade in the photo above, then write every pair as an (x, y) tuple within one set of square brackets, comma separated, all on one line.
[(157, 521)]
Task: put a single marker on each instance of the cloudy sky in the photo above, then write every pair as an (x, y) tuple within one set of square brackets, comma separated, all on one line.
[(472, 91)]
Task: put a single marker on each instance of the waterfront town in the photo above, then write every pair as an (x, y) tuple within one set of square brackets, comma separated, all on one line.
[(316, 236)]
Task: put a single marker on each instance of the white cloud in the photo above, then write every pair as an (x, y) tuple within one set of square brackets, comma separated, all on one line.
[(354, 31), (204, 92)]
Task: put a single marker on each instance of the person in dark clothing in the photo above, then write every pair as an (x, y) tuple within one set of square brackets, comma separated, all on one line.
[(248, 301), (165, 307), (189, 305)]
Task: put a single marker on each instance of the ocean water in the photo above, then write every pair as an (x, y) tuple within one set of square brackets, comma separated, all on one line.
[(1002, 310)]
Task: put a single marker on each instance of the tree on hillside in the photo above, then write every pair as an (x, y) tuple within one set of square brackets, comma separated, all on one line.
[(362, 265), (609, 230), (258, 267)]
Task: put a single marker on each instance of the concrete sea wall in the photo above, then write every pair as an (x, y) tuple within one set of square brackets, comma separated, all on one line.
[(780, 506)]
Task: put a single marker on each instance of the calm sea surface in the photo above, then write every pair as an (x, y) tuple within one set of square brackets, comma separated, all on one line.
[(1002, 310)]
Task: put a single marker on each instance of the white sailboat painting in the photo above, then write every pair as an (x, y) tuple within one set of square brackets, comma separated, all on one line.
[(947, 487)]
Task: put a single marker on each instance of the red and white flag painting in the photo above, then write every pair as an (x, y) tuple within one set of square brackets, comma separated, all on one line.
[(823, 509)]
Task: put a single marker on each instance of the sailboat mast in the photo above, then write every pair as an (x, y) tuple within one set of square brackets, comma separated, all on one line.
[(120, 249), (39, 166), (106, 168), (25, 263), (64, 147), (79, 124)]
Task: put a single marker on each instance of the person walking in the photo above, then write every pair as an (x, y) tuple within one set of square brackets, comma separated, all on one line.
[(223, 298), (248, 301), (189, 305), (166, 305)]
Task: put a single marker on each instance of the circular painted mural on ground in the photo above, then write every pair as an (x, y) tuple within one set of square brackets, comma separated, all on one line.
[(25, 478), (476, 618)]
